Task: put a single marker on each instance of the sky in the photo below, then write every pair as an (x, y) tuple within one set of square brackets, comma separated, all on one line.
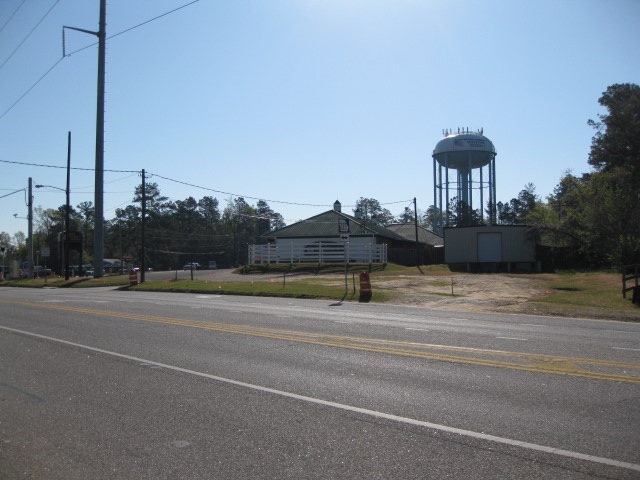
[(300, 102)]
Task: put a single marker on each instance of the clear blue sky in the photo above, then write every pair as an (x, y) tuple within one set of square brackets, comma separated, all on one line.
[(302, 102)]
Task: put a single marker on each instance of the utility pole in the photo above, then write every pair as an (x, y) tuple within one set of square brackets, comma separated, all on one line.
[(144, 217), (98, 229), (30, 231), (415, 219), (67, 212)]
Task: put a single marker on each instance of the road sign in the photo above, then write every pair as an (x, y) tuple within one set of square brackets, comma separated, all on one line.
[(343, 225), (344, 237), (45, 252)]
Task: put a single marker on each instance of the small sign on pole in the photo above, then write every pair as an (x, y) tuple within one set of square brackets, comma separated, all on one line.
[(343, 225)]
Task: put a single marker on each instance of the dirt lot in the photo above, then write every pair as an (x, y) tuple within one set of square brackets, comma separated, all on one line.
[(468, 292), (499, 293)]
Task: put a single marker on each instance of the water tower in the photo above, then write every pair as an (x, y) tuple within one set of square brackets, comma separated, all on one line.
[(464, 168)]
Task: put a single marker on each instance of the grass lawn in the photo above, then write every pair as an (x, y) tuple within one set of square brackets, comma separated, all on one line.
[(572, 294), (589, 294)]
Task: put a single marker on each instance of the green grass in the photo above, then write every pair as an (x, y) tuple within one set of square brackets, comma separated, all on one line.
[(592, 294), (320, 288), (74, 282)]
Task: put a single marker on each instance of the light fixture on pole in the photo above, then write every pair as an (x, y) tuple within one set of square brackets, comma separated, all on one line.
[(67, 209)]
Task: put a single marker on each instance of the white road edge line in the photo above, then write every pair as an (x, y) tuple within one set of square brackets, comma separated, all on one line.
[(350, 408), (623, 348), (513, 338)]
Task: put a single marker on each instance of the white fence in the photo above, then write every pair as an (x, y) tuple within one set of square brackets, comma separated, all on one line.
[(317, 252)]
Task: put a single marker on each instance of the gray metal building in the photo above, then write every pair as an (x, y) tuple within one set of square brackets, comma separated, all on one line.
[(492, 248)]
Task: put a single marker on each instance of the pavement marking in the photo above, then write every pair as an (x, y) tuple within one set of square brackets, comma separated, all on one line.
[(632, 349), (417, 329), (513, 338), (351, 408), (589, 368)]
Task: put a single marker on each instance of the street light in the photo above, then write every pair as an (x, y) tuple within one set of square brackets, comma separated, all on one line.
[(66, 226)]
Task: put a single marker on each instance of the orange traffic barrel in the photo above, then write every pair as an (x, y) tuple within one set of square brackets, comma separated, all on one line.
[(133, 277), (365, 286)]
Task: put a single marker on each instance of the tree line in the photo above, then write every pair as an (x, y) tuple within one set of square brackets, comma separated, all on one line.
[(590, 220)]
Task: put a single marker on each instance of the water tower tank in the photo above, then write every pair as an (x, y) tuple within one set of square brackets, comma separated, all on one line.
[(464, 169), (464, 150)]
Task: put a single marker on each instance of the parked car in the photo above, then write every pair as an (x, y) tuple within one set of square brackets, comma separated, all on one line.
[(192, 266)]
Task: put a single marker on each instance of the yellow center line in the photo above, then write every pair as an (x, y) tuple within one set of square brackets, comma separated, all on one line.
[(596, 369)]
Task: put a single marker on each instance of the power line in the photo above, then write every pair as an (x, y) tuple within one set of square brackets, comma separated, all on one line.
[(17, 191), (30, 88), (154, 19), (12, 15), (64, 167), (83, 48), (29, 34), (233, 194), (151, 174)]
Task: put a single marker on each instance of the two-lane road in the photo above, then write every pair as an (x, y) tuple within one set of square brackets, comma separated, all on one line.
[(103, 384)]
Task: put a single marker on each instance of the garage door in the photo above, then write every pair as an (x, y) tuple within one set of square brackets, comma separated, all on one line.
[(490, 247)]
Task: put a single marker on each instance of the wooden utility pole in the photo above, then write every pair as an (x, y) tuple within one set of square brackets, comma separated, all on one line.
[(143, 266)]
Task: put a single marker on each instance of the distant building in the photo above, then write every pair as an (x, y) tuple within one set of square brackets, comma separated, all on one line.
[(331, 235), (494, 248)]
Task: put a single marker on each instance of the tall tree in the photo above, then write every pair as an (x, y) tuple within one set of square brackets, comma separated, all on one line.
[(155, 201), (267, 219), (615, 185), (517, 211), (370, 210), (239, 219), (86, 213), (432, 220), (616, 143), (209, 210), (407, 216)]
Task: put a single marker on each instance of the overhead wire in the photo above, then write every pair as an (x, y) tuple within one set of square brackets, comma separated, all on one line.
[(81, 49), (16, 191), (29, 34), (64, 167), (258, 198), (231, 194), (12, 15)]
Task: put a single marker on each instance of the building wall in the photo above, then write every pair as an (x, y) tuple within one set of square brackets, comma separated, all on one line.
[(489, 244)]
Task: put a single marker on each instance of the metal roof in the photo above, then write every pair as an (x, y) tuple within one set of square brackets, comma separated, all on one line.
[(408, 232), (326, 225)]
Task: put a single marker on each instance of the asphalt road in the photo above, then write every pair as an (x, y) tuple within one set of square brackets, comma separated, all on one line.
[(96, 383)]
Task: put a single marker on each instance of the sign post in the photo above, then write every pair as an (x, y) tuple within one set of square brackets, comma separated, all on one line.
[(345, 240)]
